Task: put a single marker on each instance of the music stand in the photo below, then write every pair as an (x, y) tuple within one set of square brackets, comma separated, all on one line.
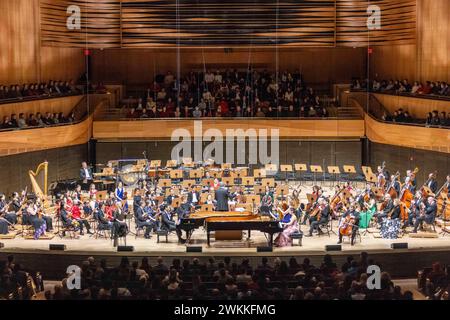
[(229, 181), (300, 167), (286, 168), (271, 168), (334, 170), (316, 170), (282, 191), (268, 182), (259, 173), (176, 174), (248, 182), (155, 163), (255, 200), (171, 164), (226, 166), (258, 189), (176, 202), (215, 173), (164, 183), (207, 182), (186, 184), (207, 207)]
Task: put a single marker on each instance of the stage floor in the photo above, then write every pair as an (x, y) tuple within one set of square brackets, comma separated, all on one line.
[(310, 245)]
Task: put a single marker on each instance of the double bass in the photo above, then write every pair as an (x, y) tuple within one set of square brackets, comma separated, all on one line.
[(406, 198), (426, 191)]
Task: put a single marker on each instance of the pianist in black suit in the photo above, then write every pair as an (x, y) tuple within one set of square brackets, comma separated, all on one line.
[(222, 197)]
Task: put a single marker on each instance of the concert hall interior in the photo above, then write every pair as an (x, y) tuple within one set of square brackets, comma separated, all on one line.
[(225, 150)]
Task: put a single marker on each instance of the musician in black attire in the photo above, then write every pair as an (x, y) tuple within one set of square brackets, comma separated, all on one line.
[(414, 210), (324, 216), (388, 206), (5, 212), (103, 222), (193, 198), (222, 197), (168, 223), (137, 198), (396, 212), (427, 213), (352, 212), (66, 220), (169, 199), (143, 221), (395, 184), (432, 183)]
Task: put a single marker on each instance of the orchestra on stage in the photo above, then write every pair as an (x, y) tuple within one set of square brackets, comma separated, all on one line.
[(147, 199)]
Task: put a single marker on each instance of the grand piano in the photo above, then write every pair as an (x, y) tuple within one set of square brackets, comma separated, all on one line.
[(229, 221)]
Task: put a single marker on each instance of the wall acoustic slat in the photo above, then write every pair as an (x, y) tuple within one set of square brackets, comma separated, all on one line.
[(398, 23), (100, 24), (227, 23)]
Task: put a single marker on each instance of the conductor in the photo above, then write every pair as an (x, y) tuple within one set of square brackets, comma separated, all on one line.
[(222, 197)]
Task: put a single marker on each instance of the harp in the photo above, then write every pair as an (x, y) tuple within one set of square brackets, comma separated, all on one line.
[(39, 181)]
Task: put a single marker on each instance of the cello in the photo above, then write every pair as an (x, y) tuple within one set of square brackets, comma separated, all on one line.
[(406, 198), (391, 190)]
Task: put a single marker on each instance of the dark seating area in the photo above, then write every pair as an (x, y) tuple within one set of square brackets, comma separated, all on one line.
[(226, 279)]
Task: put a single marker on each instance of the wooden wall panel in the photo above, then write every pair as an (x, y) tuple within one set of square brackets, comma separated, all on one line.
[(15, 142), (22, 60), (163, 129), (408, 136), (139, 66), (65, 105), (401, 158), (398, 23), (100, 24), (427, 60), (417, 107)]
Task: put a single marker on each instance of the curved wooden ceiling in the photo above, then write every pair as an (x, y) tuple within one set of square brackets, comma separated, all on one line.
[(228, 23)]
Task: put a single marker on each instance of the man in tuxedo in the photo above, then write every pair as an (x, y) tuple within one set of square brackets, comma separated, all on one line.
[(222, 197), (168, 223), (429, 210), (387, 208), (432, 183), (355, 214), (324, 216), (86, 175), (142, 220), (170, 197)]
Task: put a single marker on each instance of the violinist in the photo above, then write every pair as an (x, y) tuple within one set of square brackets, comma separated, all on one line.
[(151, 210), (103, 222), (349, 223), (321, 218), (289, 225), (5, 211), (171, 196), (427, 213)]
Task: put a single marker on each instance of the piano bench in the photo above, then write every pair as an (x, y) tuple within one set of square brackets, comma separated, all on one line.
[(297, 235), (162, 233)]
